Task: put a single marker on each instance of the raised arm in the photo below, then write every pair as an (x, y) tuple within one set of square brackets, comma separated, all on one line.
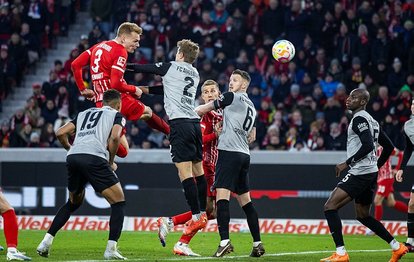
[(157, 68), (77, 69)]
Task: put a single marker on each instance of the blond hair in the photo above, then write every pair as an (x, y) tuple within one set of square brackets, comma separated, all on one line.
[(209, 82), (189, 49), (128, 28)]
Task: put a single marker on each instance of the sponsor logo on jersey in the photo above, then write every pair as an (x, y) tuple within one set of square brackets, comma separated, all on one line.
[(121, 61), (159, 64), (97, 76), (362, 127)]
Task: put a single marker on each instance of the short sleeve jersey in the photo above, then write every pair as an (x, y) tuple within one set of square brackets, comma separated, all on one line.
[(93, 128)]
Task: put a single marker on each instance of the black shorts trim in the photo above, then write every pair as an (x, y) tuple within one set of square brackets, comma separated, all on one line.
[(84, 168), (360, 187), (186, 142), (232, 171)]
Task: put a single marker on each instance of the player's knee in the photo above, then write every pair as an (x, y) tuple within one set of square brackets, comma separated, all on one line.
[(329, 206), (411, 205), (390, 203), (377, 202), (73, 206)]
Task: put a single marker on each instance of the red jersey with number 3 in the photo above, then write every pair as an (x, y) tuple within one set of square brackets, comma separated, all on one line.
[(105, 57)]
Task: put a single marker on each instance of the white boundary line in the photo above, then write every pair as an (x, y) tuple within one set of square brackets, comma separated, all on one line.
[(181, 258)]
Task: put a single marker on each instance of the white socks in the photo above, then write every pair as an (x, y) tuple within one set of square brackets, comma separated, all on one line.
[(256, 244), (341, 250), (11, 249), (111, 245), (224, 242), (196, 217), (48, 238), (410, 241), (395, 245)]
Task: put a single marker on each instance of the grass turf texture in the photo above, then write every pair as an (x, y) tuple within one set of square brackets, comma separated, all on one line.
[(145, 246)]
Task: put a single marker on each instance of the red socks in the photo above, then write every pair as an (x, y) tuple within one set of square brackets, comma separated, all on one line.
[(378, 212), (401, 206), (155, 122), (10, 227), (182, 218)]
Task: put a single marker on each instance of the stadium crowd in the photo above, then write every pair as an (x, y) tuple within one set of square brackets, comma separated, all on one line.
[(340, 45)]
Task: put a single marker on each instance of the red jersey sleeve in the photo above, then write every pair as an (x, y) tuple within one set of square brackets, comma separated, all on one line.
[(117, 72), (77, 65)]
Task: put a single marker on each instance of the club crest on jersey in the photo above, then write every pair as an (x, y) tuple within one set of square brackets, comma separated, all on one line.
[(159, 64), (123, 121), (362, 127), (121, 61)]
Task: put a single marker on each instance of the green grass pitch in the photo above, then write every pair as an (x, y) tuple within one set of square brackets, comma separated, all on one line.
[(144, 246)]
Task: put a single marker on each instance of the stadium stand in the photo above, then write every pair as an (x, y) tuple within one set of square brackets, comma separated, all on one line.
[(300, 105)]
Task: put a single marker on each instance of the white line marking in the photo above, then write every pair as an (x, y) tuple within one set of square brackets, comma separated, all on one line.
[(180, 258)]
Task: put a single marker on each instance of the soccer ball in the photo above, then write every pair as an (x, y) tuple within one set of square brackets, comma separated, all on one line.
[(283, 51)]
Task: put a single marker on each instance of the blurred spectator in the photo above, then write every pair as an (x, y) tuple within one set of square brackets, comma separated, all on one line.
[(335, 140), (5, 134), (101, 14), (396, 77), (31, 42), (50, 112), (96, 36), (63, 118), (19, 53), (8, 71)]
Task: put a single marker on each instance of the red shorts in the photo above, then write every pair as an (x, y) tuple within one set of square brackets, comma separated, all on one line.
[(209, 174), (132, 109), (385, 187)]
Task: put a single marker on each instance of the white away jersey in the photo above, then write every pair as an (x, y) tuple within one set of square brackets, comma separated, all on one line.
[(93, 128), (368, 164), (180, 86)]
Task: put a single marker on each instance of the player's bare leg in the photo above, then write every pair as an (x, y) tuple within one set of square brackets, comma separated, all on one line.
[(246, 204), (62, 216), (397, 205), (363, 216), (115, 197), (410, 223), (154, 121), (10, 230)]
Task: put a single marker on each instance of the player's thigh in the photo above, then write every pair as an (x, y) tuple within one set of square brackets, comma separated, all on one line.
[(184, 170), (4, 204), (131, 108), (197, 168), (367, 185), (185, 140), (244, 199), (378, 199), (242, 180), (76, 165), (222, 193), (114, 194), (147, 114), (391, 200), (228, 167), (337, 199), (100, 174)]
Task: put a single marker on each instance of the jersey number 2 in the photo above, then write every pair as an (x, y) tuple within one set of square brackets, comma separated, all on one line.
[(98, 55), (190, 85), (91, 120)]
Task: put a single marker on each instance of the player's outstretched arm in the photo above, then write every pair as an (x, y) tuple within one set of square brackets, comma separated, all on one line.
[(388, 148), (63, 133), (157, 69), (204, 109), (154, 90)]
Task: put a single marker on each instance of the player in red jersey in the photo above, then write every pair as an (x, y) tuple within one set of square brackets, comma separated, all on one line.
[(10, 230), (385, 188), (210, 128), (107, 61)]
